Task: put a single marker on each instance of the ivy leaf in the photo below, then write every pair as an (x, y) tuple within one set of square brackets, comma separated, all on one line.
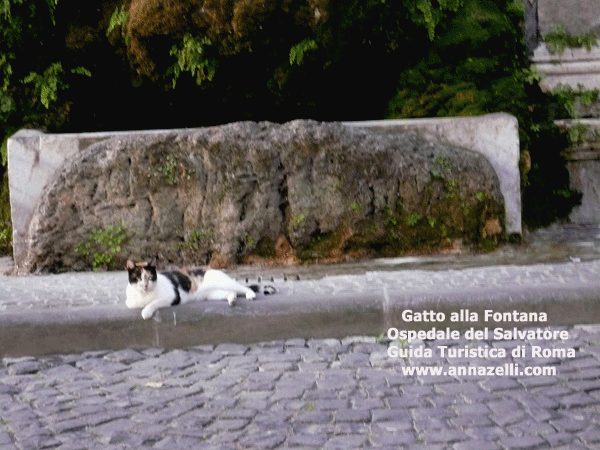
[(193, 57), (297, 51)]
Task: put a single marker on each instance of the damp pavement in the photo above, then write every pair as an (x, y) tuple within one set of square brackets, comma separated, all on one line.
[(320, 364)]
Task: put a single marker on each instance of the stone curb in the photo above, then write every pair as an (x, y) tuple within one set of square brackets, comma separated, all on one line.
[(281, 316)]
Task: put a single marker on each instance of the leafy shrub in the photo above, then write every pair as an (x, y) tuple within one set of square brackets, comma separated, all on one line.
[(297, 51), (47, 85), (477, 65), (5, 225), (119, 19), (101, 245), (571, 100), (193, 57), (558, 40)]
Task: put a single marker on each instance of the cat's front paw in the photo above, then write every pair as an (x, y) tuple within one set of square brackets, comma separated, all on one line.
[(231, 298), (148, 312), (250, 295)]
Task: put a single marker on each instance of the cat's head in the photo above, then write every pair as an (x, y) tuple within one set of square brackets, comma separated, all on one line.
[(142, 274)]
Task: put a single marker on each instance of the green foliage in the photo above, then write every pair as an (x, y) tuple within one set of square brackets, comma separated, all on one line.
[(297, 220), (5, 8), (248, 240), (5, 225), (425, 13), (577, 134), (390, 218), (481, 196), (4, 152), (297, 51), (198, 240), (580, 133), (259, 53), (558, 40), (532, 75), (477, 65), (589, 96), (5, 237), (193, 56), (468, 71), (412, 219), (27, 47), (571, 99), (7, 103), (118, 19), (6, 71), (171, 171), (101, 245), (33, 69), (197, 245), (48, 84)]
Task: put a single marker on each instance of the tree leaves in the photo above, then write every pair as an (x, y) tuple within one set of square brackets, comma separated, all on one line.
[(193, 57), (297, 51), (50, 82)]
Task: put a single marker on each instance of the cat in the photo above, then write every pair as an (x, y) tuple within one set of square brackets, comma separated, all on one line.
[(152, 290)]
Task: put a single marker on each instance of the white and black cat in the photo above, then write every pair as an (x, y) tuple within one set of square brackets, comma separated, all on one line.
[(152, 290)]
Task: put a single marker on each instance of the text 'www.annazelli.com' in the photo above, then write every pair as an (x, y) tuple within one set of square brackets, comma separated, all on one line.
[(509, 369)]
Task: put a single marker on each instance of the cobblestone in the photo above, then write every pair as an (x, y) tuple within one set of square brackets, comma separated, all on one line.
[(269, 396)]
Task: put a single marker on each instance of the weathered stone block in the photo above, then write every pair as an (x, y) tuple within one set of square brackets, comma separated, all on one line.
[(495, 136), (575, 67), (583, 163), (575, 16), (244, 190)]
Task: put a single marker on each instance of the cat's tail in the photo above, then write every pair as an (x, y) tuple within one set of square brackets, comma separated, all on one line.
[(266, 289)]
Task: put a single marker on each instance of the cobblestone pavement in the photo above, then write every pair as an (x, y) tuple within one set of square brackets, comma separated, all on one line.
[(314, 394)]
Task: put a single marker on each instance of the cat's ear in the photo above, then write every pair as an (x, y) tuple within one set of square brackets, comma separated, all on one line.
[(152, 262), (130, 265)]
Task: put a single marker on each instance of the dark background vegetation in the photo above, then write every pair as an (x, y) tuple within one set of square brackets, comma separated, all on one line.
[(73, 66)]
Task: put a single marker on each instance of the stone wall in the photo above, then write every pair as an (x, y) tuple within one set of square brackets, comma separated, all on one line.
[(63, 186), (575, 16), (495, 136), (574, 68), (583, 163)]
